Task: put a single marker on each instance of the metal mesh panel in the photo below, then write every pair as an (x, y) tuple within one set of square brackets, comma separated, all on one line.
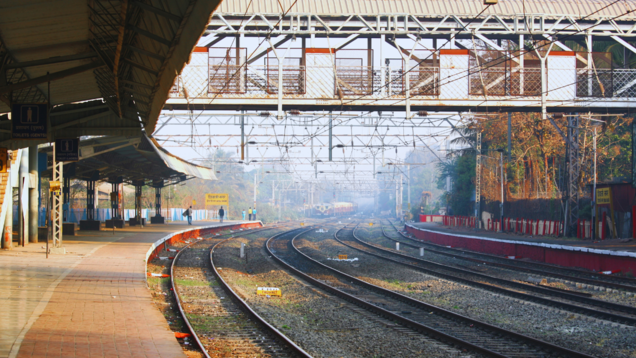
[(624, 83), (424, 81), (354, 80), (226, 73), (594, 83), (226, 76), (491, 82), (489, 73), (293, 76), (594, 74), (525, 82)]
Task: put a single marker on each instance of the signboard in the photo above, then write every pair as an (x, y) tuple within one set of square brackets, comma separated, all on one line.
[(29, 121), (194, 202), (603, 196), (4, 160), (67, 150), (217, 199), (268, 291), (370, 224), (342, 257)]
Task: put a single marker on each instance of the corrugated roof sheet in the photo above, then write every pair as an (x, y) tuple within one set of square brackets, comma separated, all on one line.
[(434, 8), (158, 38)]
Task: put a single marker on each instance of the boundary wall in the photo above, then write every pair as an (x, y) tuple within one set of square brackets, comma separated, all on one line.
[(562, 255)]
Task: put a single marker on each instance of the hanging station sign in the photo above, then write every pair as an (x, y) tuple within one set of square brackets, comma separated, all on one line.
[(67, 150), (29, 121)]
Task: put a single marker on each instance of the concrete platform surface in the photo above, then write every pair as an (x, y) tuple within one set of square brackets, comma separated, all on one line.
[(628, 245), (91, 302)]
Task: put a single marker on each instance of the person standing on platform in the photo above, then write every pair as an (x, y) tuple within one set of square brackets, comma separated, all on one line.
[(221, 214), (249, 213), (243, 215), (254, 214), (189, 215)]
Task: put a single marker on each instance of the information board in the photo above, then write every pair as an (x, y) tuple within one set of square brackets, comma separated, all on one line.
[(217, 199), (67, 150), (29, 121), (603, 196)]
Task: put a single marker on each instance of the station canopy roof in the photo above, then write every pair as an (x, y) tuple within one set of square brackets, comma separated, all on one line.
[(122, 56), (133, 160), (590, 9)]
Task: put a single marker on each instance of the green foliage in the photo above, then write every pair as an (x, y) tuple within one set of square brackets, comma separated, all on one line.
[(461, 170)]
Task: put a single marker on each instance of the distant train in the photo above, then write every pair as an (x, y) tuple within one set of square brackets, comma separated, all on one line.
[(334, 209)]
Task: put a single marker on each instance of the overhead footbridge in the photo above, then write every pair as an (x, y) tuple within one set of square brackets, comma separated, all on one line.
[(413, 55)]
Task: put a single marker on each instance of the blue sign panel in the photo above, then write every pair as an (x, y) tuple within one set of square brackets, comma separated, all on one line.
[(29, 121), (67, 150)]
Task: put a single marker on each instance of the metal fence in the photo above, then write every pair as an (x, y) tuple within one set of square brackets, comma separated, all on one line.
[(489, 73)]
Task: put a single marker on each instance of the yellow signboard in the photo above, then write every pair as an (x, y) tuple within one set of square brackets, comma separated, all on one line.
[(302, 224), (217, 199), (342, 257), (370, 224), (603, 196), (194, 202), (268, 291)]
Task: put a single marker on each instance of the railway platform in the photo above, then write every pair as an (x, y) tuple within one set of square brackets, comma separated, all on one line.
[(604, 256), (91, 302)]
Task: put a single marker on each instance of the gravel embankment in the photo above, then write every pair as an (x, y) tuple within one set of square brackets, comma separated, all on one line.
[(323, 325), (592, 336)]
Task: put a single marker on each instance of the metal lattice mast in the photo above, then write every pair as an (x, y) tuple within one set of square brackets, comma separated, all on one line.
[(478, 180), (57, 203)]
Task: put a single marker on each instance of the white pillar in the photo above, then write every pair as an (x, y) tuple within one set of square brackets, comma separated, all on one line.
[(34, 194)]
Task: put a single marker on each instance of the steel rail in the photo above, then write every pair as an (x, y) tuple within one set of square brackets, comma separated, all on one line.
[(180, 307), (422, 305), (249, 311), (507, 292), (375, 309), (575, 274), (176, 290)]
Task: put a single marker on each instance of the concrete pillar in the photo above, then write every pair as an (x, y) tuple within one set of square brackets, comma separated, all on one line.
[(23, 198), (7, 239), (34, 194)]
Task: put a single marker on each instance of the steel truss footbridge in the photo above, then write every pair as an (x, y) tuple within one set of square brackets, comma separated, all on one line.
[(344, 83)]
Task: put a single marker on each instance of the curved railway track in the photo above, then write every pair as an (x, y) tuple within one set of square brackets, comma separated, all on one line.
[(446, 326), (246, 333), (573, 275), (558, 299)]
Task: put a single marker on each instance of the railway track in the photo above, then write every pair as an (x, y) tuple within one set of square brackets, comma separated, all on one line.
[(625, 284), (552, 298), (446, 326), (241, 330)]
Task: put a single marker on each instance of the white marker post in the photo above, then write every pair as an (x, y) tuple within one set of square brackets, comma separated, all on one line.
[(397, 246), (242, 253), (421, 251)]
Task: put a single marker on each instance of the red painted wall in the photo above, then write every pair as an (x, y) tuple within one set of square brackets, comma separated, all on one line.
[(587, 260)]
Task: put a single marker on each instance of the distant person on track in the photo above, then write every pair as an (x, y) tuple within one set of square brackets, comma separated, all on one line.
[(221, 214), (254, 214), (249, 212), (243, 215)]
